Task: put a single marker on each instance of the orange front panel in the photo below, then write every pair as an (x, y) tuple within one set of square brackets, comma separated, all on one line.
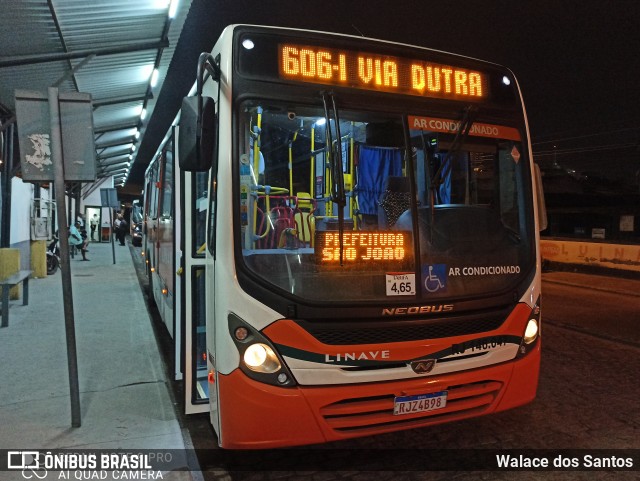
[(348, 411), (524, 381), (255, 415)]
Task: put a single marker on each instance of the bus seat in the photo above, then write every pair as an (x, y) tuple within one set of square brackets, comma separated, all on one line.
[(279, 218), (304, 218), (304, 201), (306, 227), (348, 182)]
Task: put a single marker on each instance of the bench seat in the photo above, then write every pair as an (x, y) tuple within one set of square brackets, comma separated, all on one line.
[(6, 284)]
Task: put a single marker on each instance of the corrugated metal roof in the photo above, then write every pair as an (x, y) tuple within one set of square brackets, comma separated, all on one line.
[(47, 43)]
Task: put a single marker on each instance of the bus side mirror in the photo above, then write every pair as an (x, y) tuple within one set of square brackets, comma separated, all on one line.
[(196, 150)]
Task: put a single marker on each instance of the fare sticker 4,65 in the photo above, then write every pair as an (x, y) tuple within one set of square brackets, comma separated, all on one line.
[(401, 284)]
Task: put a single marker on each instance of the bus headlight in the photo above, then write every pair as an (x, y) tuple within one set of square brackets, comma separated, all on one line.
[(261, 358), (531, 332)]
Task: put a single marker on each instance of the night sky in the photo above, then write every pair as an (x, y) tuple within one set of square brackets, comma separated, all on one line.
[(577, 62)]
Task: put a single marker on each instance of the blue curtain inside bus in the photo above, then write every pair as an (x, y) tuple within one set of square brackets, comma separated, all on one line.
[(375, 164)]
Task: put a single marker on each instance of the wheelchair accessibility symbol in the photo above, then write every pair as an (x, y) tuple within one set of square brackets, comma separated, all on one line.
[(434, 277)]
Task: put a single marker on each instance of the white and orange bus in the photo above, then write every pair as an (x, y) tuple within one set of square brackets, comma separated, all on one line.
[(342, 237)]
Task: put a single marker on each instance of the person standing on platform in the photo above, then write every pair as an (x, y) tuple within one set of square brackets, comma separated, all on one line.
[(93, 223), (120, 227)]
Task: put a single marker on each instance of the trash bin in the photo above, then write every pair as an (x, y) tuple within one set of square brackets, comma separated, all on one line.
[(105, 234)]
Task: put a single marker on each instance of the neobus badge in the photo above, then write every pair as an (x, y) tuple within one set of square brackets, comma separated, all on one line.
[(404, 311), (423, 366)]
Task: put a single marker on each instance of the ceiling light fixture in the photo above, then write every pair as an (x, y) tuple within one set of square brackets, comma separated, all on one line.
[(154, 77), (173, 8)]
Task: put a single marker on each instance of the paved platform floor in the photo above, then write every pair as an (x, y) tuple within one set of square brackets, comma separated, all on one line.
[(125, 397), (607, 283)]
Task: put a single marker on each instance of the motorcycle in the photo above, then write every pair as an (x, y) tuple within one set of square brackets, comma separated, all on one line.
[(53, 256)]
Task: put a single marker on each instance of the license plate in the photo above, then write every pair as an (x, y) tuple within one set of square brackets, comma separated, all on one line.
[(420, 403)]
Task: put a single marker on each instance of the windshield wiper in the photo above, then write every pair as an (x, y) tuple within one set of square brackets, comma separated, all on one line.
[(446, 165), (334, 155), (458, 141)]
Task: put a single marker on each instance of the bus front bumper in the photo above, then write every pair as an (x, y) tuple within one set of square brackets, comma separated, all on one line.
[(259, 416)]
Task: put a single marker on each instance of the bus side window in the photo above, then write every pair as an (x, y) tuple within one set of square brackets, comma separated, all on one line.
[(153, 204), (199, 210), (167, 184), (213, 193)]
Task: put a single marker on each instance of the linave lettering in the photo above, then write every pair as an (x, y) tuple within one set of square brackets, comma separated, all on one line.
[(356, 356)]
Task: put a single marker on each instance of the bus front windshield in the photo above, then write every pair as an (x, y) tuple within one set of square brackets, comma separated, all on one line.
[(434, 208)]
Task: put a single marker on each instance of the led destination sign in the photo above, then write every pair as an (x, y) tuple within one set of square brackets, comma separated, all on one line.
[(385, 73), (366, 247)]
